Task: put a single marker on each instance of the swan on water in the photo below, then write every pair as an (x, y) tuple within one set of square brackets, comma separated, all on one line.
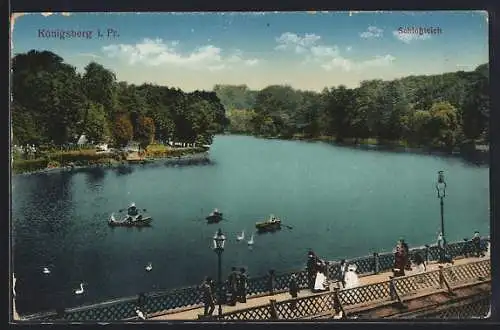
[(149, 267), (14, 284), (46, 270), (241, 237), (79, 291), (250, 242)]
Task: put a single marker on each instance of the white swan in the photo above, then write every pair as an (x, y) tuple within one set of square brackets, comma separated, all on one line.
[(250, 242), (149, 267), (14, 284), (79, 291), (241, 237), (46, 270)]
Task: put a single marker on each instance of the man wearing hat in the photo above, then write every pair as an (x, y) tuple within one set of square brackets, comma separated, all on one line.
[(476, 243), (293, 289), (208, 296), (311, 269), (242, 286), (233, 285)]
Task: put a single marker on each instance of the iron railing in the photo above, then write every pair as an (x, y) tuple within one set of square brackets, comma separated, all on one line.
[(391, 291), (191, 297)]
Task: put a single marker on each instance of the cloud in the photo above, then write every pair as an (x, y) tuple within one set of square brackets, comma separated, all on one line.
[(372, 32), (409, 37), (292, 41), (252, 62), (158, 52), (328, 57), (88, 55), (347, 64)]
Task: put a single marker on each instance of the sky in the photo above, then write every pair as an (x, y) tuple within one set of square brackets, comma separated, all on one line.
[(306, 50)]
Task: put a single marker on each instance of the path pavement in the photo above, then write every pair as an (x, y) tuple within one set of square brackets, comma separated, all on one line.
[(192, 314)]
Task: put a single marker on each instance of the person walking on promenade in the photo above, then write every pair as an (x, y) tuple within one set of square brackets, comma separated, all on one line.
[(311, 269), (208, 297), (342, 271), (443, 256), (233, 285), (406, 251), (418, 259), (399, 261), (476, 243), (441, 246), (271, 282), (352, 279), (242, 286), (293, 290)]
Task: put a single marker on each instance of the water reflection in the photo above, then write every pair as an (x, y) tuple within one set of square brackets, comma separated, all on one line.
[(45, 210), (94, 176), (124, 169)]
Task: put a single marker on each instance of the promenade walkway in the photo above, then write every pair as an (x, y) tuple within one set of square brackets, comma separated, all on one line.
[(192, 314)]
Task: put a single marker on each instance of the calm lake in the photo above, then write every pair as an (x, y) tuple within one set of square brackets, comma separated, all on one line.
[(341, 202)]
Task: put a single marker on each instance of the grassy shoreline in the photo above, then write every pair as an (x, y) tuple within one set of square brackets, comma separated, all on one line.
[(61, 160)]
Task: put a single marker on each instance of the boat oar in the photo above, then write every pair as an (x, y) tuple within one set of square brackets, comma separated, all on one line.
[(287, 226)]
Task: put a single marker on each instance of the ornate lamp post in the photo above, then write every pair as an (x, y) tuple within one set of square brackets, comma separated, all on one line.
[(441, 194), (219, 240)]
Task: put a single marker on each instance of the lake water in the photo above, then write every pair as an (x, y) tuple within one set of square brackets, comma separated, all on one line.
[(341, 202)]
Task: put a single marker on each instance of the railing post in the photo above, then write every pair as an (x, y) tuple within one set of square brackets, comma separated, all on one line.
[(443, 282), (426, 254), (272, 309), (376, 263), (337, 305), (393, 292)]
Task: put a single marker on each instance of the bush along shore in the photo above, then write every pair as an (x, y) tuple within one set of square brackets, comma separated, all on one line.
[(70, 160)]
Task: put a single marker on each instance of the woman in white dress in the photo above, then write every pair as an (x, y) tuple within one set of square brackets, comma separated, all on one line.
[(320, 284), (351, 278)]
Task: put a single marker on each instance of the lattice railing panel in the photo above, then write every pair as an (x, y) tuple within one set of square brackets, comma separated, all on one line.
[(365, 265), (111, 312), (258, 285), (257, 313), (476, 309), (304, 307), (173, 299), (363, 294), (385, 261), (333, 270), (460, 274), (410, 285)]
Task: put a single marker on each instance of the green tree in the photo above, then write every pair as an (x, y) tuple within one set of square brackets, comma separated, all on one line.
[(444, 124), (99, 85), (95, 123), (145, 131), (123, 130)]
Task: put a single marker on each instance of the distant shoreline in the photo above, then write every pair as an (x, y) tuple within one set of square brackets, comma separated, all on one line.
[(371, 144)]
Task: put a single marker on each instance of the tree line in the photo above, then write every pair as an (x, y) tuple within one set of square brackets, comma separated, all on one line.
[(53, 104), (444, 111)]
